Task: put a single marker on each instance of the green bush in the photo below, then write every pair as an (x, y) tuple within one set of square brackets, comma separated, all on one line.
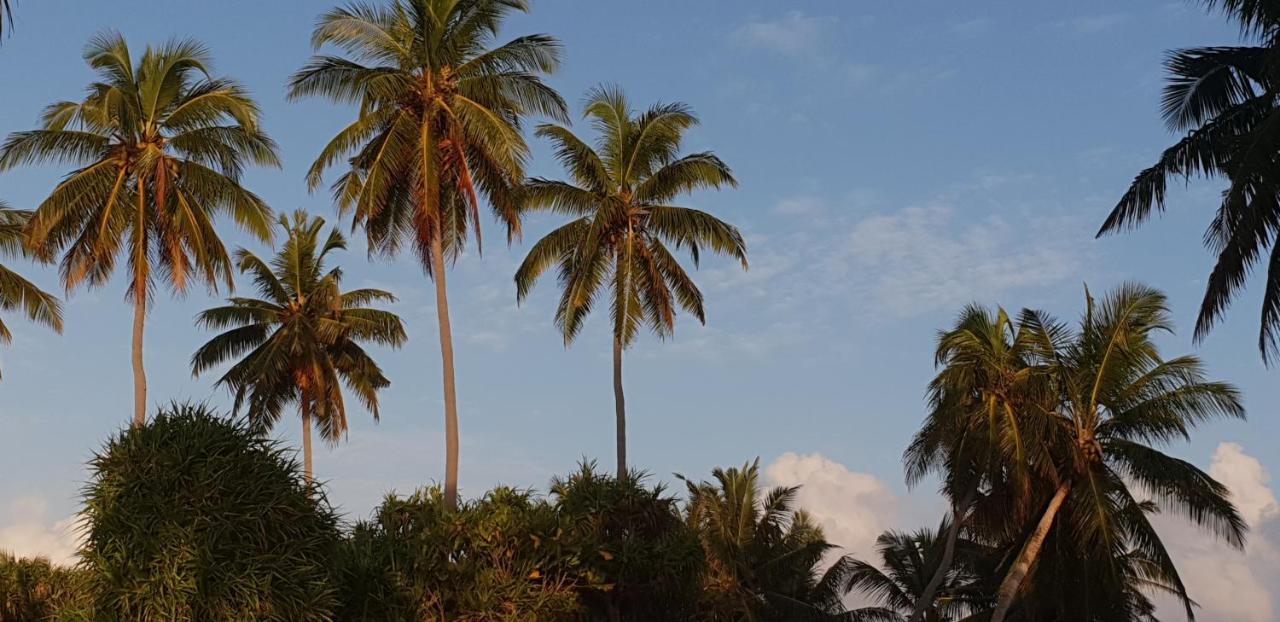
[(637, 558), (497, 559), (34, 590), (195, 517)]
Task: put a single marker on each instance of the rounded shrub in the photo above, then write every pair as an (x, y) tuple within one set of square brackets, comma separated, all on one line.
[(197, 517)]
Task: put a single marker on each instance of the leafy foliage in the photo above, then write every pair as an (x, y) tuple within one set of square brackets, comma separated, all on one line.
[(17, 293), (195, 517), (907, 563), (34, 590)]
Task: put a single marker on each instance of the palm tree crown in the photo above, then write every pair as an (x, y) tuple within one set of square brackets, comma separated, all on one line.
[(159, 147), (17, 293), (301, 341), (1225, 101), (908, 563)]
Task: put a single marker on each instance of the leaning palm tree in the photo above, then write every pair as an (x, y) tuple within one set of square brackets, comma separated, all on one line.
[(909, 562), (438, 129), (301, 341), (159, 145), (1119, 400), (1225, 102), (17, 293), (621, 197)]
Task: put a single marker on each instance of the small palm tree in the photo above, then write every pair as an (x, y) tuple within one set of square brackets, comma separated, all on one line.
[(438, 128), (160, 146), (909, 561), (620, 198), (17, 293), (1225, 102), (763, 555), (1118, 400), (300, 342)]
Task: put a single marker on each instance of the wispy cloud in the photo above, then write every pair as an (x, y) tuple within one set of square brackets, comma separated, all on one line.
[(973, 27), (1092, 24), (795, 34)]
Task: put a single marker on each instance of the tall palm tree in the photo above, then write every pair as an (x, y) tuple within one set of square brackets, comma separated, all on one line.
[(908, 563), (439, 128), (1118, 401), (620, 196), (1225, 102), (301, 341), (17, 293), (159, 145), (763, 555)]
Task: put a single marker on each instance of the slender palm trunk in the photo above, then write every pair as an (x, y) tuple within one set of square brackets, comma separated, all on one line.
[(140, 311), (450, 393), (958, 512), (620, 408), (306, 441), (1027, 557)]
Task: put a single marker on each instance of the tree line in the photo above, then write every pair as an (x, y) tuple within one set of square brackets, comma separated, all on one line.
[(1047, 437)]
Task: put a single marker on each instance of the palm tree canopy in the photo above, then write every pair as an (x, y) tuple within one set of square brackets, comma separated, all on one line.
[(1225, 101), (17, 293), (302, 339), (620, 197), (440, 115), (907, 563), (159, 145)]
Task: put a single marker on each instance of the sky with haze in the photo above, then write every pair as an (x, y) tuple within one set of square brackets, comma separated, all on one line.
[(897, 160)]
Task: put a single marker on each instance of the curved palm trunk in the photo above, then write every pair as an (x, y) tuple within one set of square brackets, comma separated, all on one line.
[(1027, 557), (306, 441), (948, 557), (450, 393), (620, 407)]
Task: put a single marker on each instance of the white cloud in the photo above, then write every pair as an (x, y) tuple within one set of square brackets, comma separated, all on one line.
[(795, 34), (853, 508), (920, 259), (799, 205), (1231, 585), (28, 531)]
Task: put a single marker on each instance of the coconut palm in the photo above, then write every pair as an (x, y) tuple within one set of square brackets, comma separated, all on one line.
[(974, 437), (1118, 402), (620, 197), (438, 129), (763, 555), (17, 293), (301, 341), (159, 145), (1225, 102), (908, 563)]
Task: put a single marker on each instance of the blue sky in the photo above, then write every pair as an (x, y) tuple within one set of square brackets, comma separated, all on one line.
[(897, 160)]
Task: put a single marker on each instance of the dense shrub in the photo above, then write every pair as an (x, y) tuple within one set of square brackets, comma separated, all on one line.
[(34, 590), (637, 558), (195, 517), (498, 558)]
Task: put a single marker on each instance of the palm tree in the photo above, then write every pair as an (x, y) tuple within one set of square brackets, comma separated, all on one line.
[(159, 146), (909, 561), (620, 198), (17, 293), (987, 380), (762, 554), (1118, 401), (438, 128), (302, 340), (1225, 101)]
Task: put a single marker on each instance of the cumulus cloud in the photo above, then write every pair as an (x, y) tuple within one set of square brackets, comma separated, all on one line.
[(29, 531), (1231, 585), (853, 508)]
